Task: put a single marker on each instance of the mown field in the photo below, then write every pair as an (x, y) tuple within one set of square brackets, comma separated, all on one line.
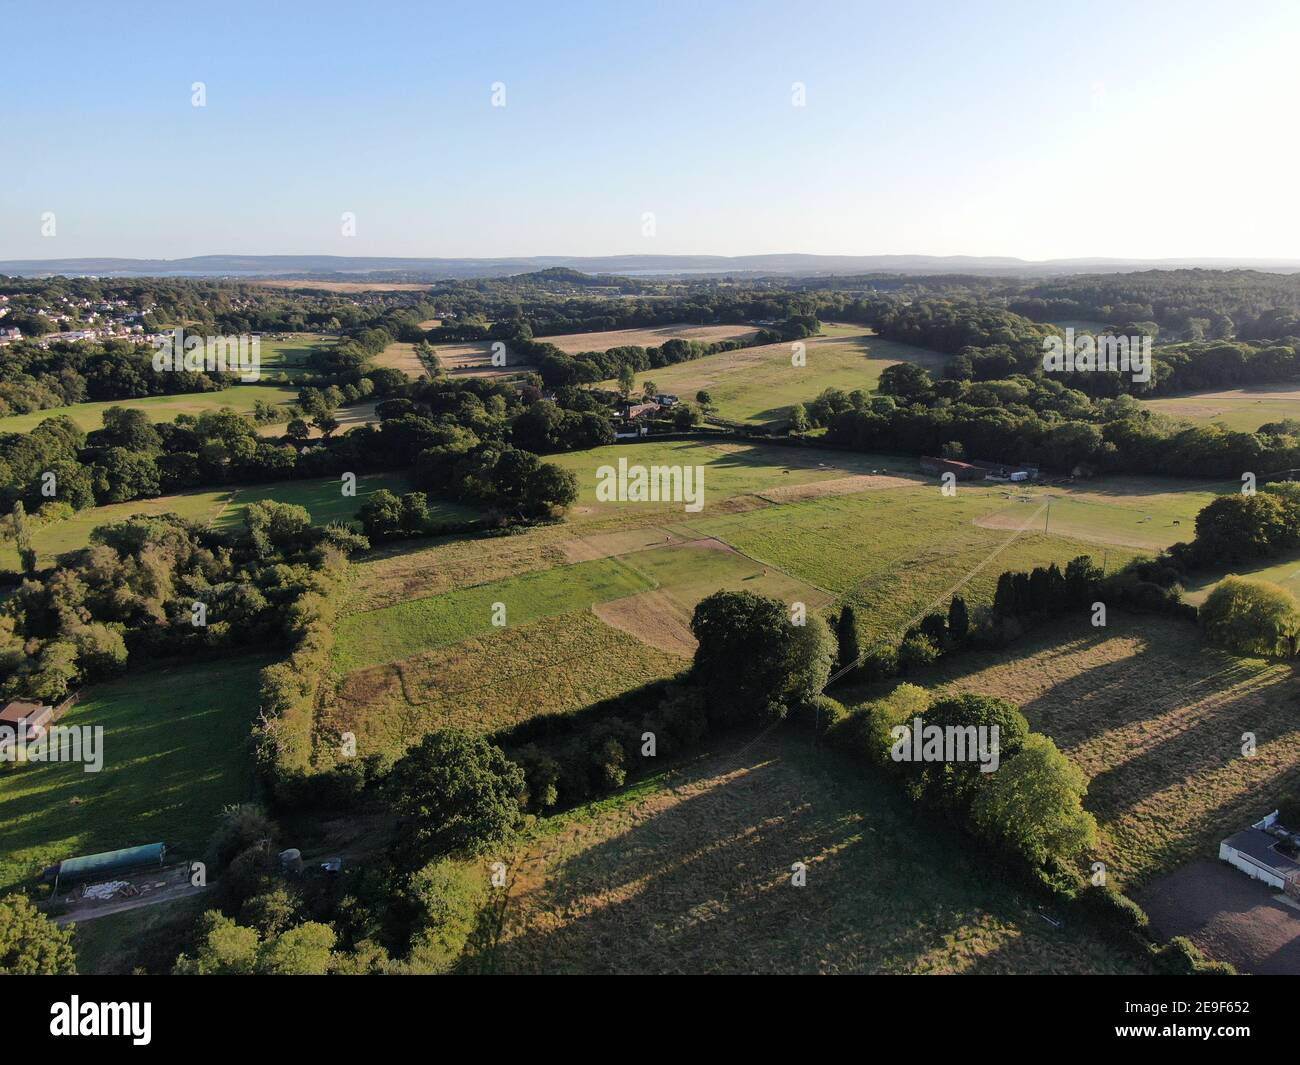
[(803, 525), (282, 363), (650, 337), (1156, 719), (493, 680), (690, 872), (760, 384), (406, 628), (1284, 572), (400, 356), (175, 752), (221, 507), (1241, 409)]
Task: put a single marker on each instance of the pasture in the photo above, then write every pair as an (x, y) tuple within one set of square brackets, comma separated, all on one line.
[(649, 337), (690, 872), (394, 632), (399, 356), (1156, 719), (87, 416), (493, 680), (175, 751), (1243, 410), (801, 525), (221, 507), (282, 362), (1285, 573), (761, 384)]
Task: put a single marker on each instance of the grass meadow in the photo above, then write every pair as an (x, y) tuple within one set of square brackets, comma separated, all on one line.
[(761, 384), (283, 361), (493, 680), (416, 644), (409, 627), (1240, 409), (1155, 718), (176, 750), (690, 872), (222, 508)]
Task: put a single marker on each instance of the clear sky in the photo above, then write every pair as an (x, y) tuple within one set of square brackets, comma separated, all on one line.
[(1037, 129)]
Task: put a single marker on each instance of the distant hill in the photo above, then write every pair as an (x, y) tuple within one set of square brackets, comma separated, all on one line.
[(339, 267)]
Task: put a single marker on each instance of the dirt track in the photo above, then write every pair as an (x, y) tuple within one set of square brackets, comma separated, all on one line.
[(1228, 915)]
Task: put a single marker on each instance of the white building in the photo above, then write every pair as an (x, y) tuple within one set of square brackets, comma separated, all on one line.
[(1255, 852)]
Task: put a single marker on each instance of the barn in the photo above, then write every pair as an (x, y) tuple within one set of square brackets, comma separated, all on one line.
[(23, 717), (107, 863)]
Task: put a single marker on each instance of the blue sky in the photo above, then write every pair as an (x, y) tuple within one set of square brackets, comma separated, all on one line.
[(1031, 129)]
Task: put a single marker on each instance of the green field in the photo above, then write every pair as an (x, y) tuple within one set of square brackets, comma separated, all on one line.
[(801, 525), (283, 361), (1285, 572), (731, 468), (391, 633), (175, 751), (1240, 409), (894, 553), (760, 384), (492, 681), (240, 398), (223, 508)]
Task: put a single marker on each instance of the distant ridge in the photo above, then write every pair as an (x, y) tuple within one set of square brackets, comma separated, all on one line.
[(793, 264)]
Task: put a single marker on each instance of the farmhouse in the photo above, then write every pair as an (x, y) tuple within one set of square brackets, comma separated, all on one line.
[(23, 717), (963, 471), (637, 410), (667, 399), (1261, 852)]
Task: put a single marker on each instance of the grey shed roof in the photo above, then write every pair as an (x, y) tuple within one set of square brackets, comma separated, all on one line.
[(1258, 844)]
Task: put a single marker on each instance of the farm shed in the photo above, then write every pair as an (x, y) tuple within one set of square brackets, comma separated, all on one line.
[(22, 717), (93, 866), (963, 471), (1255, 852)]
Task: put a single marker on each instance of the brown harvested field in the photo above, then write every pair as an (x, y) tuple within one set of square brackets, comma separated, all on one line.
[(691, 873), (555, 665), (347, 417), (620, 542), (1229, 916), (399, 356), (346, 286), (1156, 719), (652, 337), (840, 486), (654, 618), (474, 359)]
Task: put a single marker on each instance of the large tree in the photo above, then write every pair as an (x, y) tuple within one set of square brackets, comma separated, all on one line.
[(1033, 804), (1252, 616), (753, 660), (30, 943), (454, 792)]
